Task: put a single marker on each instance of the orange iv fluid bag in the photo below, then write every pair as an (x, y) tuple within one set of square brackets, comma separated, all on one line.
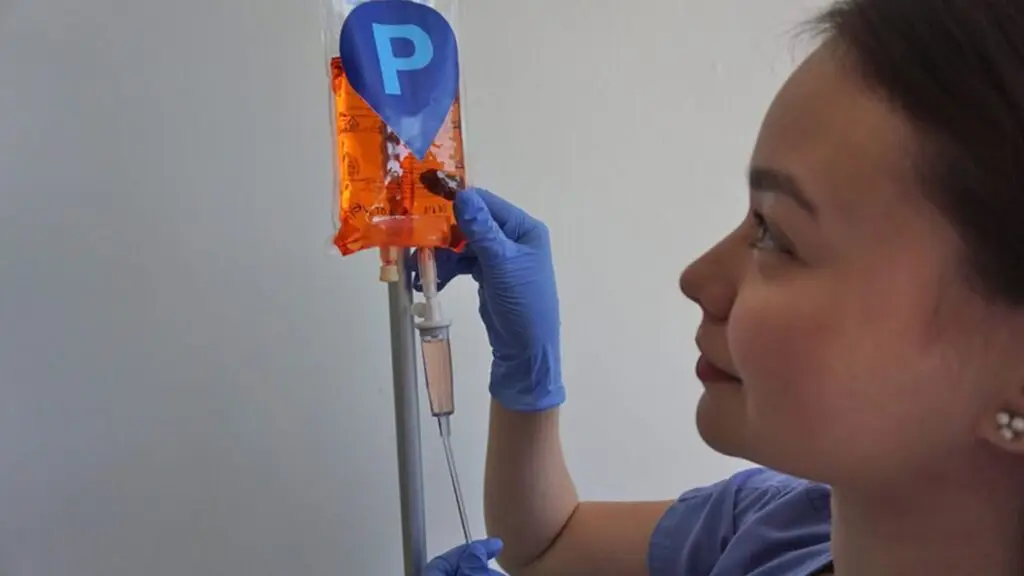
[(395, 83)]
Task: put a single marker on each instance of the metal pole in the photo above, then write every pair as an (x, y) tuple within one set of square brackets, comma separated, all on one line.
[(407, 422)]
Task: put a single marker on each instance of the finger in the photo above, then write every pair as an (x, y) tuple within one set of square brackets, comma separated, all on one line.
[(441, 566), (513, 220), (449, 265), (490, 547), (501, 210), (477, 556), (483, 234)]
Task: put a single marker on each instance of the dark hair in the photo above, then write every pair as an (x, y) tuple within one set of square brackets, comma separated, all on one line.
[(956, 70)]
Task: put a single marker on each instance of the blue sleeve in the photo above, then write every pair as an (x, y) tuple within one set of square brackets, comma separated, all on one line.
[(693, 534)]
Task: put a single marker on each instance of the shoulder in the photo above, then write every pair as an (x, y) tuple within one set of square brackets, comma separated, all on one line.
[(757, 515), (744, 496)]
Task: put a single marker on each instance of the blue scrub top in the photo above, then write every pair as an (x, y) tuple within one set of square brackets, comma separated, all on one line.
[(755, 523)]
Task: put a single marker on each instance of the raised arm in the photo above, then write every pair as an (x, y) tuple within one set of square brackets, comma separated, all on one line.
[(530, 500), (531, 503)]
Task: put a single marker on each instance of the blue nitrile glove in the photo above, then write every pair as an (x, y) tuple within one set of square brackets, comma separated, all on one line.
[(466, 560), (508, 254)]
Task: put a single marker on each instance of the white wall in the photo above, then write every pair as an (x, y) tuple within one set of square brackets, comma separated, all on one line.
[(192, 382)]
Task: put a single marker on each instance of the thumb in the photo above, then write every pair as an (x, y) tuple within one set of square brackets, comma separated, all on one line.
[(490, 547), (478, 555), (483, 234)]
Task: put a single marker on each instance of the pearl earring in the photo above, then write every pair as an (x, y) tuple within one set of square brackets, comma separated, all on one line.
[(1010, 426)]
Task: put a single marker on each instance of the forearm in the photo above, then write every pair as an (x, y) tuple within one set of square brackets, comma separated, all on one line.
[(529, 495)]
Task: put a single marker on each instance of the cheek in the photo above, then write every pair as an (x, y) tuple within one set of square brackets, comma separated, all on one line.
[(802, 366), (828, 364), (782, 341), (822, 335)]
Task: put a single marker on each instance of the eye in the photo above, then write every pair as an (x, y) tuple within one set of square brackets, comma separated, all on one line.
[(766, 239)]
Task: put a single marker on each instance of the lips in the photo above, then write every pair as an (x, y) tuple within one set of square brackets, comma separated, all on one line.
[(708, 371)]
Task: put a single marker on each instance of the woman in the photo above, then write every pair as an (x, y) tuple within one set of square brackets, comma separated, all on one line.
[(861, 334)]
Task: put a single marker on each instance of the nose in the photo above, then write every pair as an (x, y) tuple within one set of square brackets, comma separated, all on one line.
[(713, 280)]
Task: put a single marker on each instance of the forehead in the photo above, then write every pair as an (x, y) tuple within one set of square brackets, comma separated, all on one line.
[(848, 148)]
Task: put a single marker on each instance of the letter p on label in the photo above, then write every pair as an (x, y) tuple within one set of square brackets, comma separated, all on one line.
[(391, 64)]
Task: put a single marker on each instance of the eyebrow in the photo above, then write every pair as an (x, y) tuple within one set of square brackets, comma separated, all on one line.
[(768, 180)]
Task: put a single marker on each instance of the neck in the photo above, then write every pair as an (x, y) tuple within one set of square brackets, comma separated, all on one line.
[(935, 527)]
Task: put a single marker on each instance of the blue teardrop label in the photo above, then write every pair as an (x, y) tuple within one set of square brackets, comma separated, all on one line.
[(402, 58)]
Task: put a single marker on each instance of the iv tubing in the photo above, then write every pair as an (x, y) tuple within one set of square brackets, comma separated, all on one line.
[(430, 312), (445, 425)]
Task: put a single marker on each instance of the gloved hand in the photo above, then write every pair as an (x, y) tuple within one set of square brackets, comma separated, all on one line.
[(508, 254), (466, 560)]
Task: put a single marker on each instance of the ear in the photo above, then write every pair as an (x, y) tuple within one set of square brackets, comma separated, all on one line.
[(1003, 426)]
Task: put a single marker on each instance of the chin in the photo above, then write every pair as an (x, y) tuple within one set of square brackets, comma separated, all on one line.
[(741, 441), (723, 426)]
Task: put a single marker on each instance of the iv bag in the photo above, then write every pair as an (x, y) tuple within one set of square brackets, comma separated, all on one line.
[(395, 115)]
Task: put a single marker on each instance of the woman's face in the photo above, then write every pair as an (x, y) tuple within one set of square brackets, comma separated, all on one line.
[(839, 304)]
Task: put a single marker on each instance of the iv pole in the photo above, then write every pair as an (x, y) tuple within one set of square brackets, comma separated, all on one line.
[(407, 421)]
